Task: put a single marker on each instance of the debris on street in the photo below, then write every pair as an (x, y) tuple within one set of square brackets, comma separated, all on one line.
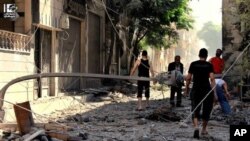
[(109, 115)]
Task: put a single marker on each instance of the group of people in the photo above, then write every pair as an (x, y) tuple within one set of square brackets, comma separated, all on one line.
[(208, 87)]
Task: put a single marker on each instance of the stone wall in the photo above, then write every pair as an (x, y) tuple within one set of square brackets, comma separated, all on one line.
[(233, 37)]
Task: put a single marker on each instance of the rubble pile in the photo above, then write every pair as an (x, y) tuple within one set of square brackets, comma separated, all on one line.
[(240, 114), (110, 115), (46, 132), (164, 113)]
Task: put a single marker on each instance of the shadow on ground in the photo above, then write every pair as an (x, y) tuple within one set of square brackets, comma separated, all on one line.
[(113, 116)]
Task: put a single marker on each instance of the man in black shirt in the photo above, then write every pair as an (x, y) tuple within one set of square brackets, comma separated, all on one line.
[(144, 67), (201, 71)]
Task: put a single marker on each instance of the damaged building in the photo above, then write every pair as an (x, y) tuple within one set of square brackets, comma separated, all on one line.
[(74, 36)]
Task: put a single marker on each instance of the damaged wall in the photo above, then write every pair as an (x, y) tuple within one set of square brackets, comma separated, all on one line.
[(233, 36)]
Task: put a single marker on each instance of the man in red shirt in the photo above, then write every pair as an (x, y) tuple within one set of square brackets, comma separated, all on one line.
[(217, 62)]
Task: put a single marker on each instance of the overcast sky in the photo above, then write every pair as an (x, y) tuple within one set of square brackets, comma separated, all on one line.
[(206, 10)]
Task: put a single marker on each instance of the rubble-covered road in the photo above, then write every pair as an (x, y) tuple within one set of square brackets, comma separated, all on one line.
[(112, 116)]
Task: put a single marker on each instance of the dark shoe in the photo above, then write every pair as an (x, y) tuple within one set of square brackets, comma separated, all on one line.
[(179, 105), (196, 134)]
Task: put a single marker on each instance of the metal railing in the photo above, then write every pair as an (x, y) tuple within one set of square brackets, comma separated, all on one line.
[(43, 75), (12, 41)]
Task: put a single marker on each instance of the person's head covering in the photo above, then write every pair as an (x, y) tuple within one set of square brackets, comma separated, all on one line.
[(203, 53)]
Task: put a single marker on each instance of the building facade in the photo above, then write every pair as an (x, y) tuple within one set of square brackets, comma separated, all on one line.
[(51, 36)]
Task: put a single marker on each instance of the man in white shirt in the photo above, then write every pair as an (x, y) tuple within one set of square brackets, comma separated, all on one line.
[(222, 95)]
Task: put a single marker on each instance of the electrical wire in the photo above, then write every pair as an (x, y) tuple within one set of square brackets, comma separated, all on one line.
[(105, 7)]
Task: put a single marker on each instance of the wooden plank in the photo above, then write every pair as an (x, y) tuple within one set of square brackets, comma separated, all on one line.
[(14, 126), (23, 117), (8, 125), (54, 126)]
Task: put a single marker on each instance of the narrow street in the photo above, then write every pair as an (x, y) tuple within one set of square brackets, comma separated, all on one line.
[(114, 117), (75, 70), (111, 116)]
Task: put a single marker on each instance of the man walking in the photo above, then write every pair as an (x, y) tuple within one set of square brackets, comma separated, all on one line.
[(201, 71), (176, 88)]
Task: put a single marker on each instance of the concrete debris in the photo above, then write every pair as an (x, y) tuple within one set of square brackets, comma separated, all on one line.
[(164, 113), (142, 121), (29, 137), (116, 119)]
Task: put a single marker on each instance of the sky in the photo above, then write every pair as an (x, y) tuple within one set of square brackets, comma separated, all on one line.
[(203, 11), (206, 11)]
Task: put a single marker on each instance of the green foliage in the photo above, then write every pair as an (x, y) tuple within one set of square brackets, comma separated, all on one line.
[(161, 33), (156, 18), (165, 37), (143, 45), (178, 13)]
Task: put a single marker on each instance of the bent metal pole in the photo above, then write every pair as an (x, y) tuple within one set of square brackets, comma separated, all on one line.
[(90, 75)]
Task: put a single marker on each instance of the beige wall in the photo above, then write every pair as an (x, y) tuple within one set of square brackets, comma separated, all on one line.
[(50, 12), (15, 63)]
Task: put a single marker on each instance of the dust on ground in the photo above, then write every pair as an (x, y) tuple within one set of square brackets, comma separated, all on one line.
[(113, 117), (110, 115)]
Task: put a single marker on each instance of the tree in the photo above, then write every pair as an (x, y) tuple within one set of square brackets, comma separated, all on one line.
[(211, 34), (151, 20)]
